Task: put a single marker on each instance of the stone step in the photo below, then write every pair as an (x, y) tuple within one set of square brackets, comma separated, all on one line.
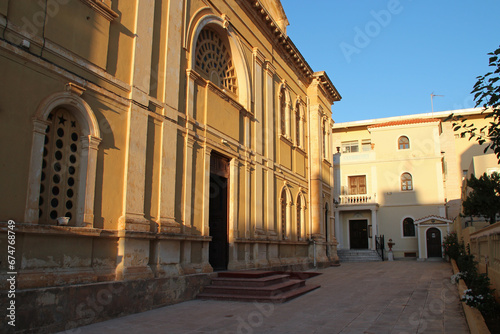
[(250, 282), (358, 255), (246, 274), (278, 298), (255, 285), (260, 291)]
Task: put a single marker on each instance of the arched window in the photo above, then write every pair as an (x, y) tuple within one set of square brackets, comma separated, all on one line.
[(284, 214), (324, 139), (63, 161), (403, 143), (406, 182), (408, 227), (60, 167), (283, 110), (213, 60), (298, 125)]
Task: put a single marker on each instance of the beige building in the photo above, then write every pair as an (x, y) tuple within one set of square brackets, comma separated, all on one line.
[(401, 177), (479, 236), (179, 137), (487, 163)]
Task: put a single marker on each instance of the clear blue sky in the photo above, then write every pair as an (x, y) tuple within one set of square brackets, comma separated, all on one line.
[(386, 57)]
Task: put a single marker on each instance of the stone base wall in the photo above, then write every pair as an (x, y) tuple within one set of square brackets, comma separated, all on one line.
[(53, 309)]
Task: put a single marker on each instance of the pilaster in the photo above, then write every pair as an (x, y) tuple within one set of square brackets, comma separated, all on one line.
[(206, 194), (259, 61), (233, 211), (143, 46), (31, 212), (271, 223), (188, 184), (167, 223), (248, 198), (173, 56), (374, 228), (136, 169), (86, 186), (338, 233), (315, 134), (258, 214), (269, 110)]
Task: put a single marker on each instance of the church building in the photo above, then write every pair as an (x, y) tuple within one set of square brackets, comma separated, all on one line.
[(150, 143)]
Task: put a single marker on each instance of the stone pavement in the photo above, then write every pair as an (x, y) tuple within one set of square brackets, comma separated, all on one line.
[(374, 297)]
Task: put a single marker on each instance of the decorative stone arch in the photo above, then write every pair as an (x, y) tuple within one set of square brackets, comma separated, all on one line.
[(301, 215), (286, 203), (204, 18), (285, 110), (89, 142)]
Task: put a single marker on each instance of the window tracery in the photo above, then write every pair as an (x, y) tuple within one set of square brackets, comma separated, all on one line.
[(214, 61)]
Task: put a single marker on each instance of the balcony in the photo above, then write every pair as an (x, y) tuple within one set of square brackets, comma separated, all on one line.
[(356, 199)]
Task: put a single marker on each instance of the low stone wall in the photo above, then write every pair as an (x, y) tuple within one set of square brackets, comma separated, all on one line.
[(52, 309), (475, 319), (485, 246)]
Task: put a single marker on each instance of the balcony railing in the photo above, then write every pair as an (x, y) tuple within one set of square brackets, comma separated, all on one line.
[(356, 199)]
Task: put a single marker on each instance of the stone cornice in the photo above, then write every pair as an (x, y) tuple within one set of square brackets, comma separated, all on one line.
[(330, 90), (289, 50)]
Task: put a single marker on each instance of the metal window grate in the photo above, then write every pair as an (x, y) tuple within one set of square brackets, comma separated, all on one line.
[(60, 167)]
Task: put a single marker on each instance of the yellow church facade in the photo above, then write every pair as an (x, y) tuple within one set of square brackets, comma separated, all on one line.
[(179, 138)]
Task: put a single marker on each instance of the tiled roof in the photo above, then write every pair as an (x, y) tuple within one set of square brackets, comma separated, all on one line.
[(405, 122)]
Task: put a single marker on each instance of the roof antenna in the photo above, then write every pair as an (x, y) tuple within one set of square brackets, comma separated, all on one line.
[(432, 103)]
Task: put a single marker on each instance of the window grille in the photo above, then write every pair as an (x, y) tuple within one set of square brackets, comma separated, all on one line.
[(60, 167), (213, 60)]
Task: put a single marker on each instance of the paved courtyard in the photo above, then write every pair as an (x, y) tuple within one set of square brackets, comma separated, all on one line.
[(374, 297)]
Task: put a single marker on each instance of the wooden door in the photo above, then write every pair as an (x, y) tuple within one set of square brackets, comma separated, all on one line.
[(358, 234), (434, 242)]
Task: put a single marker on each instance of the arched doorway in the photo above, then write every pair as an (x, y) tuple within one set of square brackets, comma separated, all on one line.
[(433, 236)]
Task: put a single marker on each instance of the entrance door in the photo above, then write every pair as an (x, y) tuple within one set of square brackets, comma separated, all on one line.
[(434, 242), (358, 234), (218, 252)]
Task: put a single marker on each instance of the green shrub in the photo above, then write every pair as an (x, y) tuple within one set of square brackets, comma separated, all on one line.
[(452, 247)]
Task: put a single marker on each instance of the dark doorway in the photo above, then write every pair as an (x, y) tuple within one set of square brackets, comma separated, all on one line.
[(434, 242), (218, 253), (358, 234)]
